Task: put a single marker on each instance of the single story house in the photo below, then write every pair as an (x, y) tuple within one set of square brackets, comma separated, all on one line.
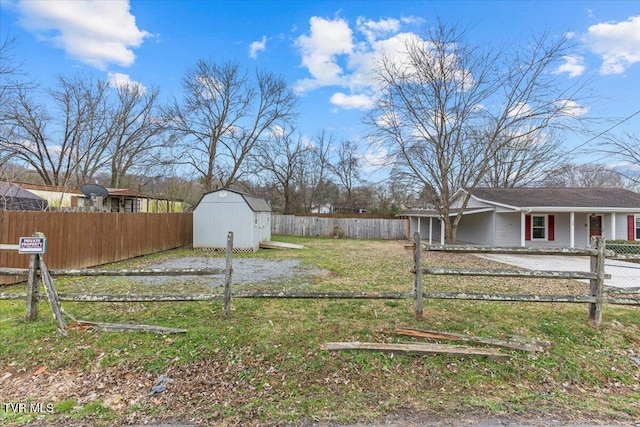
[(117, 200), (543, 216), (221, 211)]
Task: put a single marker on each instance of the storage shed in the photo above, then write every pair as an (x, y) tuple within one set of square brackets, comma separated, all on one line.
[(221, 211)]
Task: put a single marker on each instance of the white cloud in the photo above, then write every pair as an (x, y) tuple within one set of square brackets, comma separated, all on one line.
[(326, 40), (376, 29), (571, 108), (256, 47), (352, 102), (98, 33), (119, 80), (573, 65), (617, 43)]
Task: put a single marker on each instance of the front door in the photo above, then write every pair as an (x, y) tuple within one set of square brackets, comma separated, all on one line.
[(595, 226)]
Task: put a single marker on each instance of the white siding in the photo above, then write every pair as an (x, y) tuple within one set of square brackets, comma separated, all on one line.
[(507, 229), (478, 229), (221, 212)]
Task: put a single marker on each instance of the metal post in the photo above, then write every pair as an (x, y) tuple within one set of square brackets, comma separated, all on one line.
[(597, 285), (417, 287), (227, 276)]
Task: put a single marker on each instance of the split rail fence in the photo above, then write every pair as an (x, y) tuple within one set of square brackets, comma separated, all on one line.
[(596, 298), (596, 276)]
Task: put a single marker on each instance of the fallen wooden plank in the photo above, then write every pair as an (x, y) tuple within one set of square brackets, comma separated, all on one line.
[(515, 343), (127, 327), (420, 349), (280, 245)]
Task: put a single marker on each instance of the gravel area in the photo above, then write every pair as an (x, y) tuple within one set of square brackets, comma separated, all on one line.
[(245, 271)]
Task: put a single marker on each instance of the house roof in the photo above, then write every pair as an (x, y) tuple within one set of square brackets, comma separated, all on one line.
[(51, 188), (570, 197)]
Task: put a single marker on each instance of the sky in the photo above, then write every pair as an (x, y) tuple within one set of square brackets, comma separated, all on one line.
[(323, 49)]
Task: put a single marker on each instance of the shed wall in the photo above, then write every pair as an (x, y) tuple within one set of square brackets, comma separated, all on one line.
[(221, 212)]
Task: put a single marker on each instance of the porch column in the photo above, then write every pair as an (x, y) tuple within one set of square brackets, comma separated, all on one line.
[(613, 226), (523, 225), (430, 229), (442, 233), (419, 231), (572, 230)]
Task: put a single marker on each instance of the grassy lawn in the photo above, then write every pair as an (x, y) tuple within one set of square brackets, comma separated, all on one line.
[(264, 366)]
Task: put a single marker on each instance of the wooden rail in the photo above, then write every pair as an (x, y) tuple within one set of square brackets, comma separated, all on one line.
[(596, 276)]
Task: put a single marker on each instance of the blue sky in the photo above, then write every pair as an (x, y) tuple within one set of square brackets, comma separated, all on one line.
[(322, 48)]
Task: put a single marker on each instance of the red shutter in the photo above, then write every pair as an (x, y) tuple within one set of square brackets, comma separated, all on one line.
[(527, 227), (552, 231), (631, 227)]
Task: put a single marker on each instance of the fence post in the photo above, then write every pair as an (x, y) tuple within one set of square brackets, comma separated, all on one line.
[(33, 285), (597, 285), (227, 275), (417, 285)]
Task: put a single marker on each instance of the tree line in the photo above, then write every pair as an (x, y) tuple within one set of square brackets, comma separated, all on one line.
[(448, 113)]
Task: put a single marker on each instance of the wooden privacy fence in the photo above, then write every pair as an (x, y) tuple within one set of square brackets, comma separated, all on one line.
[(83, 239), (596, 277), (352, 228)]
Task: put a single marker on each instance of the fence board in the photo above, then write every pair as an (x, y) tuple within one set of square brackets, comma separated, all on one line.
[(353, 228), (84, 239)]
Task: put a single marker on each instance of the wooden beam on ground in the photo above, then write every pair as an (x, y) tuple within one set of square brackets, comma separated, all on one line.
[(279, 245), (139, 272), (514, 343), (122, 327), (419, 349)]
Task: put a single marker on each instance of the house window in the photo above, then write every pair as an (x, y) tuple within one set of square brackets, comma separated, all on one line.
[(539, 227), (637, 227)]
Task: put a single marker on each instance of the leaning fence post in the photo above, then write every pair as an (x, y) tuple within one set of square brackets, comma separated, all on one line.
[(227, 275), (597, 284), (417, 285), (33, 285)]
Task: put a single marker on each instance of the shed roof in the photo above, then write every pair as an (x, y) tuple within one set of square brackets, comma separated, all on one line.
[(560, 197), (255, 203)]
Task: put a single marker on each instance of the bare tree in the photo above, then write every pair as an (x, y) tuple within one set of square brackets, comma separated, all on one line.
[(587, 175), (523, 161), (447, 109), (280, 159), (223, 115), (136, 137), (314, 178), (54, 141), (346, 168)]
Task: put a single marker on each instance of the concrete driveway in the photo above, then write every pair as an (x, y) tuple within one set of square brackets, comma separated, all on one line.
[(623, 274)]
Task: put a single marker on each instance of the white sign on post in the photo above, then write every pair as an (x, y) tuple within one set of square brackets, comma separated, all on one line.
[(32, 245)]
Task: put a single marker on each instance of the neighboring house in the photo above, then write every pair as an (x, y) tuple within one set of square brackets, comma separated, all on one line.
[(13, 197), (545, 216), (322, 209), (118, 200), (56, 197), (221, 211)]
